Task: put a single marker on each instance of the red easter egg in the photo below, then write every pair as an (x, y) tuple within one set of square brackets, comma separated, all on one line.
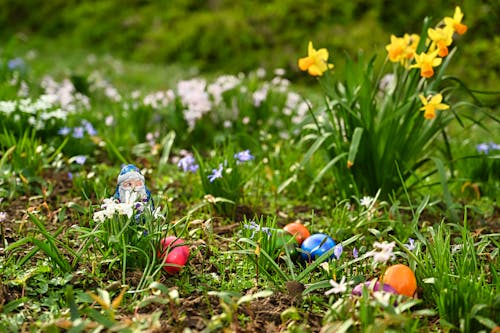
[(176, 253), (298, 230)]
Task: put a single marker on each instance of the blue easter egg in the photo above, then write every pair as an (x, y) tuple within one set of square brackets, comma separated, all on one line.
[(315, 245)]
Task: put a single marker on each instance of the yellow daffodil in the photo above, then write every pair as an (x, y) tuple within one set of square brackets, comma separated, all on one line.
[(431, 104), (401, 49), (396, 48), (455, 22), (426, 62), (441, 38), (412, 43), (316, 62)]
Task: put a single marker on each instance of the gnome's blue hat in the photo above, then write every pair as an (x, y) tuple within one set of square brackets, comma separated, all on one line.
[(129, 171)]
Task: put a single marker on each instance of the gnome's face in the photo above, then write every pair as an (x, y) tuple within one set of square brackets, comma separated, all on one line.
[(132, 190)]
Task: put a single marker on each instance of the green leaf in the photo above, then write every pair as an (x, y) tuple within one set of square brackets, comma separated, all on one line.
[(353, 148), (167, 143), (14, 304), (444, 185)]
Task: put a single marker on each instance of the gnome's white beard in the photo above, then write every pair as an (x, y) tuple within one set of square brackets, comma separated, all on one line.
[(135, 194)]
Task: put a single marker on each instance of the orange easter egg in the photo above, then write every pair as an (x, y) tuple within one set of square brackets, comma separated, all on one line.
[(298, 230), (401, 278)]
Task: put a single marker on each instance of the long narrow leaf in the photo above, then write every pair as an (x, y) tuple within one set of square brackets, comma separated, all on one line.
[(444, 185), (353, 148)]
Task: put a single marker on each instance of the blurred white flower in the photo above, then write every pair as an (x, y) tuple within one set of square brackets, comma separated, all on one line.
[(382, 297), (159, 99), (109, 120), (222, 84), (338, 288), (195, 99), (382, 252), (260, 95), (279, 72), (367, 201), (261, 73)]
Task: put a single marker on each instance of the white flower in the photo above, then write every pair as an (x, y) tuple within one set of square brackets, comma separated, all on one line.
[(157, 213), (382, 297), (279, 72), (125, 209), (195, 100), (338, 288), (111, 206), (384, 252), (367, 201), (260, 95), (222, 84), (261, 73), (100, 216), (8, 107)]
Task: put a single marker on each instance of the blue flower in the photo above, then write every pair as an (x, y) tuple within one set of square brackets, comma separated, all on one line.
[(78, 132), (64, 131), (188, 163), (337, 251), (255, 227), (485, 147), (80, 159), (355, 253), (89, 128), (16, 64), (216, 173), (243, 156)]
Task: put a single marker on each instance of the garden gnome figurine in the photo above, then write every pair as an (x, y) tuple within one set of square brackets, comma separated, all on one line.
[(131, 187)]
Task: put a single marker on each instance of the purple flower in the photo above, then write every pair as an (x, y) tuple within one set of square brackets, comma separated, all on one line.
[(355, 253), (64, 131), (485, 147), (255, 227), (411, 246), (70, 176), (216, 173), (16, 64), (188, 163), (337, 251), (80, 159), (373, 286), (89, 128), (78, 132), (243, 156)]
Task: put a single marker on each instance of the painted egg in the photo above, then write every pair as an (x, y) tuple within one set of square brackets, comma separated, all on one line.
[(315, 245), (176, 253), (401, 278), (377, 286), (298, 230)]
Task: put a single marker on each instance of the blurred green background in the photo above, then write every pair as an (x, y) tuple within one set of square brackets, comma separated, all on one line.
[(221, 36)]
